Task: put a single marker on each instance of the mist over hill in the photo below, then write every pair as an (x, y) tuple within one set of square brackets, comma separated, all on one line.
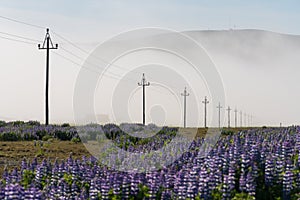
[(260, 71), (250, 46)]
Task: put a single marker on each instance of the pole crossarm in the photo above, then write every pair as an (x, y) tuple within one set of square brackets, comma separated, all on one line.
[(45, 46)]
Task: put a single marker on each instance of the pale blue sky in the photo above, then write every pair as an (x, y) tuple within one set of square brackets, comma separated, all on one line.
[(278, 16)]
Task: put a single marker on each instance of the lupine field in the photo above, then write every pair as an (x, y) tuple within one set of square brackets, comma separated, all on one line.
[(261, 163)]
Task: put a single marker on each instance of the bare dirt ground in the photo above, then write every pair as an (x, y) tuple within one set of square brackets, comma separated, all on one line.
[(12, 153)]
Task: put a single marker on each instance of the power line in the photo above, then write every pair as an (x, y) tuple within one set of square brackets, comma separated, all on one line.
[(22, 22), (21, 37), (63, 38), (99, 58), (87, 68), (106, 75), (71, 53), (109, 76), (87, 62), (71, 43), (16, 40)]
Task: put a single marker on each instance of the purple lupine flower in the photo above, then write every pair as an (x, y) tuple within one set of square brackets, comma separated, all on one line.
[(13, 191), (33, 193), (287, 182)]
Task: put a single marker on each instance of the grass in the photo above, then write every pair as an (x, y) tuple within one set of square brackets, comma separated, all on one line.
[(12, 153)]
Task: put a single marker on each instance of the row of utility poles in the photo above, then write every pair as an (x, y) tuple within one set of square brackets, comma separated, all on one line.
[(48, 45), (185, 94)]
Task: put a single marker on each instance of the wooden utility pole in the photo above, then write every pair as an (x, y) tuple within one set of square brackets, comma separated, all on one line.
[(184, 94), (241, 118), (47, 45), (219, 107), (235, 117), (205, 111), (228, 110), (144, 83)]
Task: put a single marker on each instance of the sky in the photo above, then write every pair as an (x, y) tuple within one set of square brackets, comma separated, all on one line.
[(91, 23)]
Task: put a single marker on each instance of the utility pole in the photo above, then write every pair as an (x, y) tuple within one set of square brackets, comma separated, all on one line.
[(249, 125), (184, 94), (144, 83), (235, 117), (47, 45), (228, 109), (219, 107), (241, 118), (245, 119), (205, 112)]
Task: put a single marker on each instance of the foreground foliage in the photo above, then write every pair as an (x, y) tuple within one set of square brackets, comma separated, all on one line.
[(254, 164)]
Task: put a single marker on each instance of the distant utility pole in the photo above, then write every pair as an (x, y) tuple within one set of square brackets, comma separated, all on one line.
[(251, 120), (144, 83), (249, 125), (184, 94), (245, 119), (205, 112), (241, 118), (235, 117), (219, 107), (228, 110), (47, 44)]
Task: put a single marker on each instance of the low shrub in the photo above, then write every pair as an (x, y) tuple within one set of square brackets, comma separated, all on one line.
[(65, 125), (62, 135), (75, 140), (9, 136), (227, 132), (2, 123), (47, 137)]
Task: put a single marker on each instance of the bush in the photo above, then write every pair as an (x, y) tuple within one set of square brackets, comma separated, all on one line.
[(62, 135), (18, 123), (47, 137), (227, 132), (27, 178), (40, 134), (10, 136), (76, 140), (33, 123), (65, 125), (28, 137), (2, 123)]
